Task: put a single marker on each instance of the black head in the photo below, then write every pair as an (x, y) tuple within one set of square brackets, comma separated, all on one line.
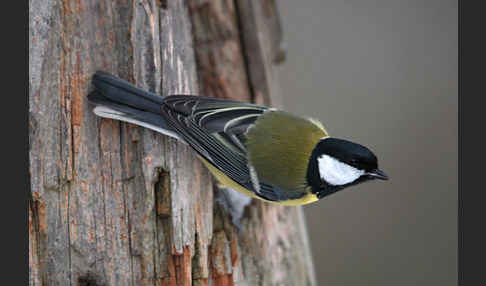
[(337, 163)]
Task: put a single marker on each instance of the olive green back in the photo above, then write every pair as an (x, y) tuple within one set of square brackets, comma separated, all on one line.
[(279, 147)]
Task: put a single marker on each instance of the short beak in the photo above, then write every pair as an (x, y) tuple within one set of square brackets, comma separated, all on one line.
[(378, 174)]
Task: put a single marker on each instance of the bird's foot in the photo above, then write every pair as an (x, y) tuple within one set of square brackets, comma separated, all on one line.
[(234, 203)]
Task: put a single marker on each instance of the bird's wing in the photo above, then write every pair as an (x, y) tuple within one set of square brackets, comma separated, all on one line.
[(216, 128)]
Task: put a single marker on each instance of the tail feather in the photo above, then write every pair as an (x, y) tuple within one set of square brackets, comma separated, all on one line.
[(117, 99), (121, 91)]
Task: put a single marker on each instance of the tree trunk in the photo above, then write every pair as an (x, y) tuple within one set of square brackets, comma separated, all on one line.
[(115, 204)]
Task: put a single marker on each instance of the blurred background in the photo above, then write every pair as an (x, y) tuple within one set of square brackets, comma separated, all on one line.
[(382, 73)]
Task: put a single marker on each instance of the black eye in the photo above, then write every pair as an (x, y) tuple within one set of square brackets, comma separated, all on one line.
[(353, 161)]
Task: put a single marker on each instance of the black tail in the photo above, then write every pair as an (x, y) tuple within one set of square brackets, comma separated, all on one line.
[(118, 99)]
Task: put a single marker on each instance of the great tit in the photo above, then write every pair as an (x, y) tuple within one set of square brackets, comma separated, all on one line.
[(263, 152)]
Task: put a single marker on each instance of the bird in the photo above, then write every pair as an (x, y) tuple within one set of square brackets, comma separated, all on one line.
[(259, 151)]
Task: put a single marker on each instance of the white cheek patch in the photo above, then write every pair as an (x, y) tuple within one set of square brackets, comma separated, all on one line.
[(336, 172)]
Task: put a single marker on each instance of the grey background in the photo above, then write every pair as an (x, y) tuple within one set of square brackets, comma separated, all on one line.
[(384, 74)]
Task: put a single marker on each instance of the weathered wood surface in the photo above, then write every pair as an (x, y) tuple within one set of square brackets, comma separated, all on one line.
[(115, 204)]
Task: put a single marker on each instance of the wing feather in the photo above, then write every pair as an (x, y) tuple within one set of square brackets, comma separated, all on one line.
[(216, 129), (209, 140)]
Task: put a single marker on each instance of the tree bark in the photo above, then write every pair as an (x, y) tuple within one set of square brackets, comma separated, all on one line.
[(115, 204)]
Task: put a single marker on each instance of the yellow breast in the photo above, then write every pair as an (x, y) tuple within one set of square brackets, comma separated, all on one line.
[(228, 182)]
